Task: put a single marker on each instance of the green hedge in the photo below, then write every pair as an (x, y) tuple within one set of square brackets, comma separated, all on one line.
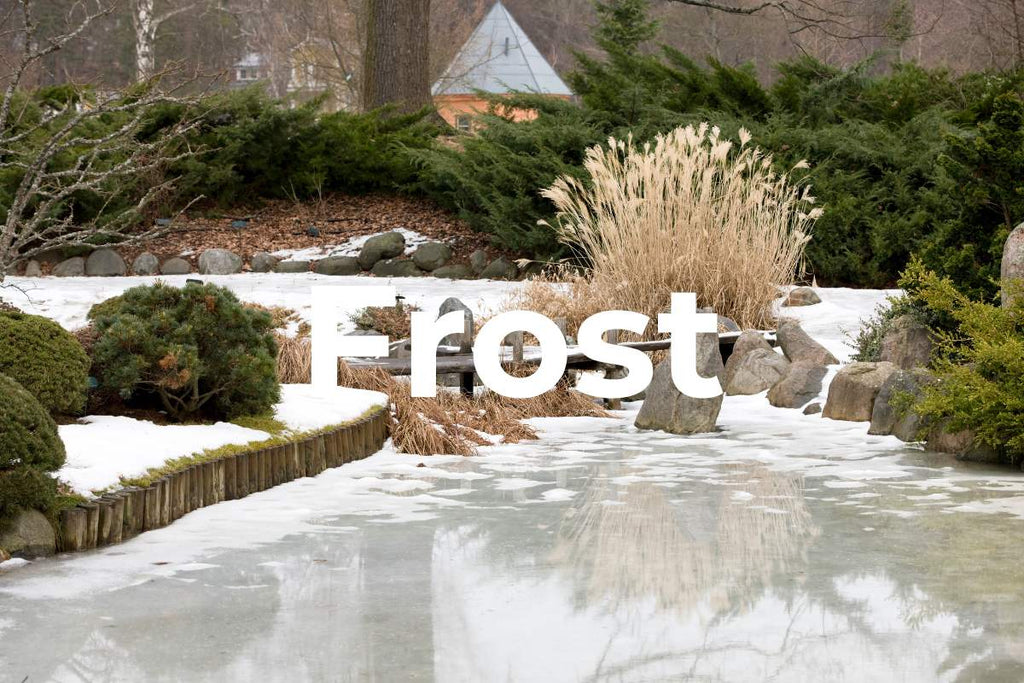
[(30, 449), (45, 359)]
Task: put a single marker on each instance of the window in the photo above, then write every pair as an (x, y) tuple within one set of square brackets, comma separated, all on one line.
[(463, 123)]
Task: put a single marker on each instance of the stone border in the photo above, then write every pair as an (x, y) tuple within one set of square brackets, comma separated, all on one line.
[(118, 516)]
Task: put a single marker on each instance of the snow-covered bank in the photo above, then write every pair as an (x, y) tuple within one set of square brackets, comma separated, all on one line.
[(68, 300), (102, 448)]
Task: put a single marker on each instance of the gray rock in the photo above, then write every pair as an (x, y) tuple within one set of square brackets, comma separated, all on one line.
[(450, 305), (292, 267), (799, 347), (908, 344), (219, 262), (396, 267), (962, 445), (455, 271), (385, 246), (33, 269), (105, 263), (478, 261), (802, 296), (748, 341), (338, 265), (813, 409), (889, 414), (851, 397), (758, 371), (666, 408), (1013, 265), (727, 324), (175, 266), (146, 264), (72, 267), (29, 536), (500, 269), (263, 262), (801, 383), (432, 255)]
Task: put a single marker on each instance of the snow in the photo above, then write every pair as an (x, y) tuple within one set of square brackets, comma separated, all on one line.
[(103, 448), (303, 409), (68, 300), (350, 247)]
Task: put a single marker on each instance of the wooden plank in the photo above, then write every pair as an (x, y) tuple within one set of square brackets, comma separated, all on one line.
[(463, 362)]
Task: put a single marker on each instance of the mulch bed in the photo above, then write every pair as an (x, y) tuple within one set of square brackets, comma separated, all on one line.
[(283, 224)]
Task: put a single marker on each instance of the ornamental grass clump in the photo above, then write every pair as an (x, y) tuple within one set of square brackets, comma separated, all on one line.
[(689, 212), (196, 351)]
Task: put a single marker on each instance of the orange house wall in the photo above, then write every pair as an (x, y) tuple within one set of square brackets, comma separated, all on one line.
[(452, 106)]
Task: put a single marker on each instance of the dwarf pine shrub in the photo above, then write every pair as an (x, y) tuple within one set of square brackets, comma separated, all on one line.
[(197, 351), (46, 360), (980, 369)]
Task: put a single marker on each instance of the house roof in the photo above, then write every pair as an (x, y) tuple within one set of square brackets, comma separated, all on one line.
[(498, 58)]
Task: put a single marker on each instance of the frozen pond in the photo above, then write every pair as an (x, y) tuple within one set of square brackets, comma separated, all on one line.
[(598, 554), (784, 547)]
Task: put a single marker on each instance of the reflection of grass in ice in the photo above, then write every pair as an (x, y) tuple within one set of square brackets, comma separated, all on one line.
[(644, 547)]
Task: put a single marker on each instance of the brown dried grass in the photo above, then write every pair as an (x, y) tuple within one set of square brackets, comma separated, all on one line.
[(688, 213)]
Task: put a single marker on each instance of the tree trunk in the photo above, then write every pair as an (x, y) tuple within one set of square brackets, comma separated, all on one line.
[(145, 32), (397, 62)]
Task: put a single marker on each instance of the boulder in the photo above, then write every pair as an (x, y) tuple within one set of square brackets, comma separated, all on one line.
[(105, 263), (666, 408), (338, 265), (802, 296), (72, 267), (799, 347), (727, 324), (500, 269), (292, 267), (432, 255), (33, 269), (889, 414), (396, 267), (800, 384), (758, 371), (1013, 263), (263, 262), (145, 264), (748, 341), (908, 344), (450, 305), (962, 445), (29, 536), (175, 266), (385, 246), (455, 271), (478, 261), (219, 262), (813, 409), (851, 397), (4, 556)]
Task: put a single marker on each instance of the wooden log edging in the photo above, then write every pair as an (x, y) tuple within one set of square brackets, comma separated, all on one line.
[(124, 514)]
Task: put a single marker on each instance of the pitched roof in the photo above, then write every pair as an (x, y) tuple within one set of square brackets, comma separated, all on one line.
[(497, 58)]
